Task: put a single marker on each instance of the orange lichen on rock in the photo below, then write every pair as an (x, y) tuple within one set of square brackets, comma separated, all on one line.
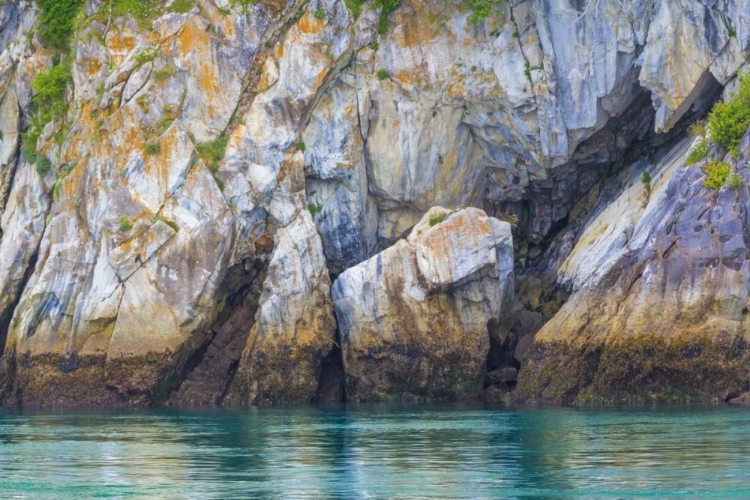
[(310, 25)]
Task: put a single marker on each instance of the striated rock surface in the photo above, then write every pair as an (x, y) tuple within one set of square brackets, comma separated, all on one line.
[(414, 319), (176, 202), (659, 309)]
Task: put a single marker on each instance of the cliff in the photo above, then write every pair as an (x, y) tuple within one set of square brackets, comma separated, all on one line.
[(224, 202)]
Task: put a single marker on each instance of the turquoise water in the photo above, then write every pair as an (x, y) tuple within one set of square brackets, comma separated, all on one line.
[(378, 452)]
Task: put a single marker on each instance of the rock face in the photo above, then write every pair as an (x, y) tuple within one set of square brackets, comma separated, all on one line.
[(170, 225), (413, 320), (659, 310)]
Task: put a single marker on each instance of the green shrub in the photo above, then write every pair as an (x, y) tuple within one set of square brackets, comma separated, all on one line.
[(697, 129), (511, 219), (383, 74), (386, 8), (728, 121), (645, 177), (434, 220), (143, 10), (163, 124), (152, 148), (301, 146), (697, 152), (734, 181), (169, 223), (49, 91), (354, 6), (315, 208), (163, 74), (43, 165), (212, 152), (320, 14), (716, 174), (125, 224), (182, 6), (57, 22), (480, 9), (147, 55)]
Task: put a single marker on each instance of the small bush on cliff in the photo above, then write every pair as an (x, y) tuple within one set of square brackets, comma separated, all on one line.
[(354, 6), (734, 181), (511, 219), (125, 224), (434, 220), (147, 55), (182, 6), (386, 8), (480, 9), (57, 22), (728, 121), (43, 165), (716, 174), (315, 208), (212, 152), (49, 91), (697, 152), (152, 148), (697, 129)]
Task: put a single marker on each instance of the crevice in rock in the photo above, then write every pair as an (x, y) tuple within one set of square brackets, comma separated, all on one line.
[(209, 367), (331, 387), (7, 315)]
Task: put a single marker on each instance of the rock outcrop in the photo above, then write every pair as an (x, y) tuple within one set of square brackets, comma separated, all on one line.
[(659, 309), (185, 180), (414, 319)]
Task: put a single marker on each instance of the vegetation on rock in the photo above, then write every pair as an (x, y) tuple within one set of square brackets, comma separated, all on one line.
[(728, 121), (125, 224), (436, 219), (734, 181), (58, 22), (698, 152), (43, 165), (716, 174)]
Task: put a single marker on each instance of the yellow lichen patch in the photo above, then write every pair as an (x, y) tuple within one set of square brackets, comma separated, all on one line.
[(456, 88), (320, 78), (415, 78), (195, 50), (310, 25), (120, 43), (93, 66), (279, 52), (414, 32)]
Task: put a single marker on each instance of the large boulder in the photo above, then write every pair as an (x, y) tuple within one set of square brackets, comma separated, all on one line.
[(413, 320)]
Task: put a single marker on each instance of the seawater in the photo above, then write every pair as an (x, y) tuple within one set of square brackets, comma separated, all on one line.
[(378, 451)]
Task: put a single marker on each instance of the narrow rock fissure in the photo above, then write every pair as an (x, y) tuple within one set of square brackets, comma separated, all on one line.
[(7, 315), (331, 387), (210, 367)]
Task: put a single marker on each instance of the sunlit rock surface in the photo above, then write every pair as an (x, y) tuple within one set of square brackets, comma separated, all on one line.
[(413, 320), (215, 169)]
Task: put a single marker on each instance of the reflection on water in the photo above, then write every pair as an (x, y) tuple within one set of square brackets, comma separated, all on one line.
[(384, 451)]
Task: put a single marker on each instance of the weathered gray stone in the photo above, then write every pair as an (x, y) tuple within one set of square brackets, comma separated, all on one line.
[(413, 319)]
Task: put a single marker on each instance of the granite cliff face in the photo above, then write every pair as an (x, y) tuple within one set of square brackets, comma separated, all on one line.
[(221, 202)]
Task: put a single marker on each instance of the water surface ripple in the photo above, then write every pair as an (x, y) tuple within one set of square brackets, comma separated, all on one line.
[(378, 451)]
